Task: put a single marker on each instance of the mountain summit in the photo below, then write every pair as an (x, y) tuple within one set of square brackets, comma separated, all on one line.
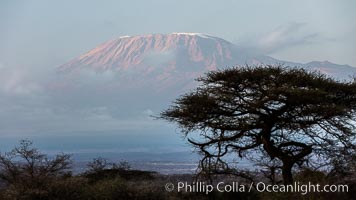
[(176, 51), (177, 56)]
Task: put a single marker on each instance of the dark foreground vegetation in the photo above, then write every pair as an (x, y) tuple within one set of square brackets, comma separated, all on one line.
[(26, 173), (293, 117), (296, 126)]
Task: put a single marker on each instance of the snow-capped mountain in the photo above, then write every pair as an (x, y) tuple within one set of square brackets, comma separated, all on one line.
[(168, 60), (181, 51)]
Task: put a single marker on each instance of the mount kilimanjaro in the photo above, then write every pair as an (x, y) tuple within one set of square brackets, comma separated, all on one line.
[(171, 61)]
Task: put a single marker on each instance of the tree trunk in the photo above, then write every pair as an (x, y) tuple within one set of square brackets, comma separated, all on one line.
[(287, 173)]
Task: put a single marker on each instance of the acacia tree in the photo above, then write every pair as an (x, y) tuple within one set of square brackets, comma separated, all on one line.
[(289, 114), (28, 172)]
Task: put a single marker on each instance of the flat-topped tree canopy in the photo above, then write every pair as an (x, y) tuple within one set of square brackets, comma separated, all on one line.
[(289, 112)]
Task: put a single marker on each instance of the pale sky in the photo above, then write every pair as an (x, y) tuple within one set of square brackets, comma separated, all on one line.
[(36, 36), (48, 33)]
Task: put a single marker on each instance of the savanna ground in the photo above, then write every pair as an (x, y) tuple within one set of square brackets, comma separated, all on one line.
[(28, 174), (298, 127)]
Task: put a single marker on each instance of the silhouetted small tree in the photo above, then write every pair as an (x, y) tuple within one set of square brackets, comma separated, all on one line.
[(98, 164), (288, 113), (28, 172), (122, 165)]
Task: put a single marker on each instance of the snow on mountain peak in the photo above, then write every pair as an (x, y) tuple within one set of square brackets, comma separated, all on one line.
[(193, 51), (177, 54), (125, 36), (193, 34)]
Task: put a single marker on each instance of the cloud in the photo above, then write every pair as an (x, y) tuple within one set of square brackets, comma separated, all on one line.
[(36, 101), (285, 36), (148, 112), (17, 81), (157, 58)]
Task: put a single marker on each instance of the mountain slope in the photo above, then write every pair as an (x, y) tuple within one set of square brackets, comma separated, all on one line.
[(167, 60), (175, 49)]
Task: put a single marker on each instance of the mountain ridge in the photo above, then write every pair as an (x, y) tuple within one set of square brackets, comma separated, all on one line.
[(179, 56)]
